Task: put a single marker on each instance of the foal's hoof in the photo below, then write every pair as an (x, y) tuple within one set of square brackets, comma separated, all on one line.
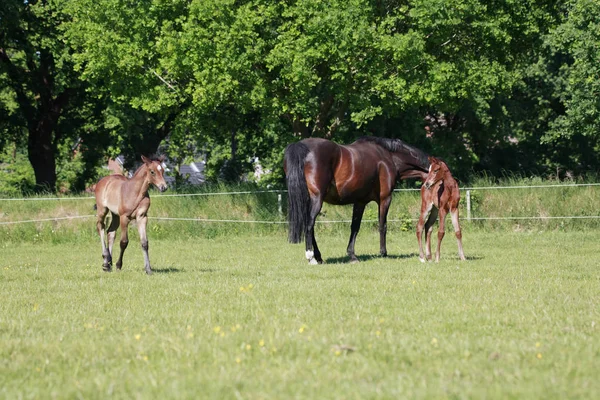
[(106, 268), (148, 272), (422, 259)]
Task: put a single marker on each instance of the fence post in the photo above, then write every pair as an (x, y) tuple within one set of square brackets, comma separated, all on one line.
[(279, 205), (469, 205)]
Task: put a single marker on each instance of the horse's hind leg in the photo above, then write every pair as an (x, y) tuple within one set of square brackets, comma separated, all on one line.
[(141, 223), (111, 232), (384, 207), (313, 255), (124, 221), (441, 233), (101, 227), (357, 214), (457, 231)]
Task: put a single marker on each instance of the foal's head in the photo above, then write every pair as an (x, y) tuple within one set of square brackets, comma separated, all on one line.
[(437, 170), (155, 173)]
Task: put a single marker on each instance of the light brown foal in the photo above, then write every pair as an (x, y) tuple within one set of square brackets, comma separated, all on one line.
[(127, 199), (439, 194)]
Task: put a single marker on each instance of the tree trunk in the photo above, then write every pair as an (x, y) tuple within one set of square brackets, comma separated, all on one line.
[(40, 151)]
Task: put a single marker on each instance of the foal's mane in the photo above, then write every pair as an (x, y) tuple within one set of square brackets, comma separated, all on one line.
[(139, 169), (398, 146)]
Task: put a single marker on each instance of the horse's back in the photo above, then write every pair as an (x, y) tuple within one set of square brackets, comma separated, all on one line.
[(348, 173)]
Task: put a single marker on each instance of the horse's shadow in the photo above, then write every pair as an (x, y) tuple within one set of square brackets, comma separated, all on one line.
[(367, 257), (168, 270), (171, 270)]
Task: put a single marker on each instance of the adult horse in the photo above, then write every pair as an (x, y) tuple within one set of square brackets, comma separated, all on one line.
[(319, 170), (127, 199)]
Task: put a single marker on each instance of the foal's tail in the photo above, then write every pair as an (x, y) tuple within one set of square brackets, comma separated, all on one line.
[(298, 197)]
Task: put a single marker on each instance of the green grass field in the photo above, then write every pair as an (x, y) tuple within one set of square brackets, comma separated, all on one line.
[(243, 317)]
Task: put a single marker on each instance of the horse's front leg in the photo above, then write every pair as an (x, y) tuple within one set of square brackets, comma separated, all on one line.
[(384, 207), (429, 229), (313, 255), (420, 225), (141, 222), (357, 214), (124, 239)]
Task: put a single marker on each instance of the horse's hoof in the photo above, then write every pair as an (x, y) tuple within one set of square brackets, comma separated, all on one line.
[(312, 261), (148, 272), (354, 260), (422, 259), (383, 254), (106, 269)]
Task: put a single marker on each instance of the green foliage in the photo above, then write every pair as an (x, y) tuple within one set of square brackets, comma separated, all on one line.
[(502, 86), (16, 174)]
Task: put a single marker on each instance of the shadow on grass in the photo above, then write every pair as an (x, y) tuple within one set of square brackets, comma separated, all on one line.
[(168, 270), (367, 257)]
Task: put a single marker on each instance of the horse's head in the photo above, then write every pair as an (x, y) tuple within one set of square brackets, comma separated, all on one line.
[(155, 173), (437, 171)]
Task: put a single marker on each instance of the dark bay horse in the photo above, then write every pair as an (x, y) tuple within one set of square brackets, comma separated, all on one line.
[(439, 194), (127, 199), (319, 170)]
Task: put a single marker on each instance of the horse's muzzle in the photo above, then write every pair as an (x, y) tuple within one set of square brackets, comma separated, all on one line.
[(427, 185), (162, 188)]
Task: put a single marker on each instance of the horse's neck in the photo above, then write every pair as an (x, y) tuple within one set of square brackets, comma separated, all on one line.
[(408, 168), (449, 182), (138, 185)]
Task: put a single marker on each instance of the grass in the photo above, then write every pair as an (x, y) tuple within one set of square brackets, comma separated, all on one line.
[(244, 316)]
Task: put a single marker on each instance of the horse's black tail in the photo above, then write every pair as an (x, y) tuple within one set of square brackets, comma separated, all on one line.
[(298, 197)]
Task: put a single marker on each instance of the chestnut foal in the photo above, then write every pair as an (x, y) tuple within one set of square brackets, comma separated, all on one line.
[(439, 193), (127, 199)]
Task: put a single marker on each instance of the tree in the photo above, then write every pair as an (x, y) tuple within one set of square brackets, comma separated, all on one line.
[(35, 64)]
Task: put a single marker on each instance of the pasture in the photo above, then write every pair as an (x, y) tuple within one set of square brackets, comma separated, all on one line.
[(243, 316)]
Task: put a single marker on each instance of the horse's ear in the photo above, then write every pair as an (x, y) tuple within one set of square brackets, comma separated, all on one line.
[(146, 160), (431, 159)]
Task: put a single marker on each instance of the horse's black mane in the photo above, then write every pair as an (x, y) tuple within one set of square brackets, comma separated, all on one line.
[(398, 146)]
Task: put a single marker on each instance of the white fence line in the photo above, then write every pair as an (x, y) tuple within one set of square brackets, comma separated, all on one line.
[(238, 221), (45, 219), (467, 189), (285, 191)]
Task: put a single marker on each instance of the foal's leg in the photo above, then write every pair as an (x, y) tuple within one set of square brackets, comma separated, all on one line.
[(101, 227), (313, 255), (111, 232), (441, 233), (454, 216), (425, 209), (124, 239), (428, 231), (384, 207), (141, 222), (357, 214)]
